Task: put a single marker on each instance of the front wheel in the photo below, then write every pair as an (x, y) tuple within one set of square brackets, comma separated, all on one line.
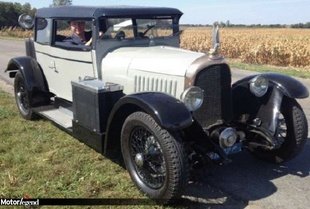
[(22, 97), (153, 157), (291, 134)]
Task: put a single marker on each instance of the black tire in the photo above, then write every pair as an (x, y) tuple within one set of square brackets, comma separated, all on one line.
[(295, 134), (154, 158), (22, 97)]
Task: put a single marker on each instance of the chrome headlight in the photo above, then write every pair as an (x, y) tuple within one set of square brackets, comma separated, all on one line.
[(259, 86), (192, 98)]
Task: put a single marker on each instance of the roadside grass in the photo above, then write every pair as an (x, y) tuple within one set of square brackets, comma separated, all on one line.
[(11, 38), (291, 71), (15, 32), (39, 160)]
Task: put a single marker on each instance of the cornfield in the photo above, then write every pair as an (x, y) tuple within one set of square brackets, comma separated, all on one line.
[(280, 47), (15, 32)]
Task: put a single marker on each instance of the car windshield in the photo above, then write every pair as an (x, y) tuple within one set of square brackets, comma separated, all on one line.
[(128, 28)]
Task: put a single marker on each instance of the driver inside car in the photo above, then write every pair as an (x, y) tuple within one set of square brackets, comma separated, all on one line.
[(79, 35)]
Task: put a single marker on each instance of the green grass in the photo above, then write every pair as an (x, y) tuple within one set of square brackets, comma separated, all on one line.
[(41, 161), (297, 72)]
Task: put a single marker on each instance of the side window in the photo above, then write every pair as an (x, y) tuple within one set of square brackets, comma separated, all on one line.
[(73, 34), (62, 30), (119, 28), (43, 30)]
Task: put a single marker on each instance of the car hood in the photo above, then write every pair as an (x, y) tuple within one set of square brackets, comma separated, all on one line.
[(158, 59)]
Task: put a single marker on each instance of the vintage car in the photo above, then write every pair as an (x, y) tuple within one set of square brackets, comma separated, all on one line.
[(135, 94)]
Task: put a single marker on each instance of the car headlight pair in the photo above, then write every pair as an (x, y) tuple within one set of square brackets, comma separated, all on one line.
[(259, 85), (192, 98)]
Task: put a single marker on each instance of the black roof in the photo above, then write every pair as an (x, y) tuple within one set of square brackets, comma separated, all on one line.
[(93, 12)]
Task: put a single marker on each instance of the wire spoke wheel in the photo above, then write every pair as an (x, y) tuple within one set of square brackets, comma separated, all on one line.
[(22, 97), (148, 157), (154, 158), (291, 134), (281, 131)]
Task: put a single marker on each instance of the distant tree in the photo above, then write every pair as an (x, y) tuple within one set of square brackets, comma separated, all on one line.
[(227, 23), (61, 3), (301, 25), (27, 9), (222, 24), (9, 13)]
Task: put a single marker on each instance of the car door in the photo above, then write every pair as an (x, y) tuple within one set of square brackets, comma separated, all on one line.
[(66, 66), (62, 64)]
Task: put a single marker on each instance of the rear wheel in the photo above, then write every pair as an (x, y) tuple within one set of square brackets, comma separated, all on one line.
[(153, 157), (22, 97), (291, 134)]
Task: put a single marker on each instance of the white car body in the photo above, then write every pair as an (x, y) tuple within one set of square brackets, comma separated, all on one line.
[(157, 68)]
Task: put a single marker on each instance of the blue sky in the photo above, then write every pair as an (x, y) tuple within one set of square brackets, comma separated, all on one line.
[(209, 11)]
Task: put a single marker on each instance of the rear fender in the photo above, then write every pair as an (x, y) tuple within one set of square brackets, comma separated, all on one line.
[(34, 78)]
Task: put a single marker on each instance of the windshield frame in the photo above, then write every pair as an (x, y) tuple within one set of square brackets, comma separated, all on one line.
[(102, 46), (103, 24)]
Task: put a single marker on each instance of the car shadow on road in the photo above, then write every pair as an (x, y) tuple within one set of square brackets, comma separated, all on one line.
[(245, 179)]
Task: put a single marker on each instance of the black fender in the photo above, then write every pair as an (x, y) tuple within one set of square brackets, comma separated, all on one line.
[(169, 112), (265, 108), (289, 86), (34, 78)]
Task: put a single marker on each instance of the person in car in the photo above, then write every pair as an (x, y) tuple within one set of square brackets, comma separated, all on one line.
[(79, 35)]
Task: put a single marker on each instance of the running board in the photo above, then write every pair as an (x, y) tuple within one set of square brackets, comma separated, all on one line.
[(61, 116)]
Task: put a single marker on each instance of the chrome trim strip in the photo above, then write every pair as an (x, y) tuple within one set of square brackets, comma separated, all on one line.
[(200, 64)]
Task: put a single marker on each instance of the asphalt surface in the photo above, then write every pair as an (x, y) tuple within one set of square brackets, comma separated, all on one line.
[(244, 183)]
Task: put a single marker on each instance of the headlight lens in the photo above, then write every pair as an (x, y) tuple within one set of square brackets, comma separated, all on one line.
[(192, 98), (259, 86)]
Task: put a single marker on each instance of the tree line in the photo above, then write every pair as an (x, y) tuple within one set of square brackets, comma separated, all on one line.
[(230, 25), (9, 12)]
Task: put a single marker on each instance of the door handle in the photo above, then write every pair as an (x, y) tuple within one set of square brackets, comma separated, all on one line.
[(52, 65)]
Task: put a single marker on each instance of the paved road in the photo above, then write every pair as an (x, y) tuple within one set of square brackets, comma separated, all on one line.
[(9, 49), (244, 183)]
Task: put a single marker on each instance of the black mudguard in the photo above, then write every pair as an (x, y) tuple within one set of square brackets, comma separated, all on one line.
[(168, 112), (34, 78), (289, 86), (266, 108)]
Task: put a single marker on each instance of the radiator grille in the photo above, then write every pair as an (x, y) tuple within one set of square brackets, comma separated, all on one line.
[(155, 84), (217, 105)]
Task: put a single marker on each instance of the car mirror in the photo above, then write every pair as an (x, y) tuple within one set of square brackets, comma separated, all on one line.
[(26, 21)]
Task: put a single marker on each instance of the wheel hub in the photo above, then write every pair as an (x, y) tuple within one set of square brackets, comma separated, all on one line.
[(147, 157), (19, 95), (139, 159)]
